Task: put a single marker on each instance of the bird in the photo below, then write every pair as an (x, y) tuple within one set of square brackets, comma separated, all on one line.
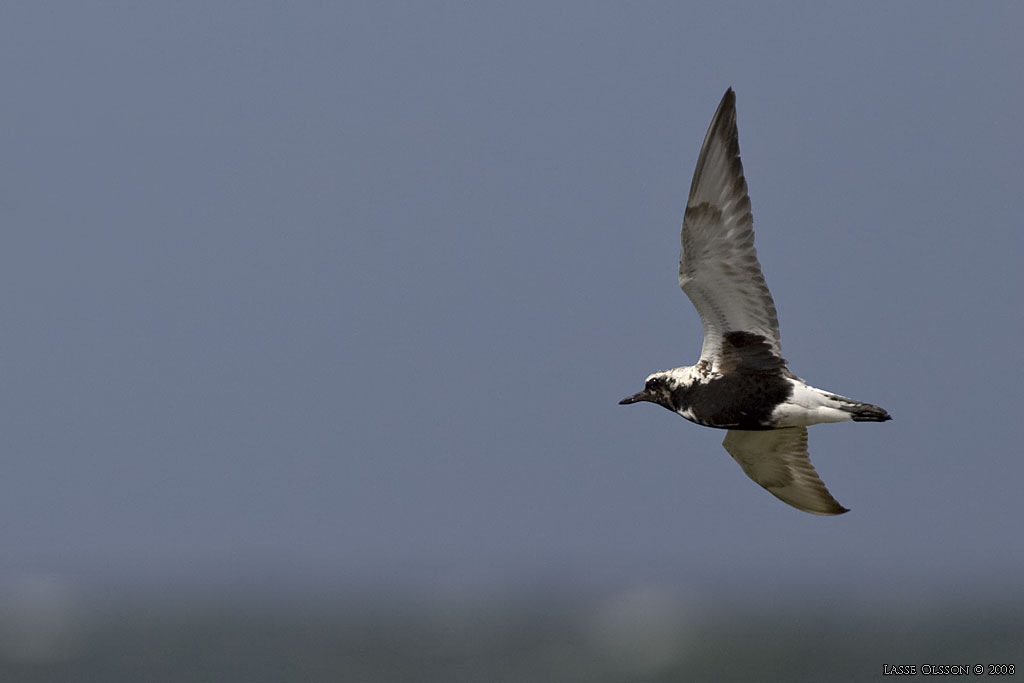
[(741, 383)]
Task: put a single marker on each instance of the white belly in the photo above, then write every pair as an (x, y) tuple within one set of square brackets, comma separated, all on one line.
[(808, 406)]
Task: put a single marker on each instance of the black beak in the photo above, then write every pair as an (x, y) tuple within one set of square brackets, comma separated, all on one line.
[(635, 398)]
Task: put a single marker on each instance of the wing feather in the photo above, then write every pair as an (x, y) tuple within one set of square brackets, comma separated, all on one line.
[(718, 266), (777, 459)]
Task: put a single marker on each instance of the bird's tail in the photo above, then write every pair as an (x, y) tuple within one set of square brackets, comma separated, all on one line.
[(864, 412)]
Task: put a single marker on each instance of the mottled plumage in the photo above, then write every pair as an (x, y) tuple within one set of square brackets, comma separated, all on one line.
[(741, 382)]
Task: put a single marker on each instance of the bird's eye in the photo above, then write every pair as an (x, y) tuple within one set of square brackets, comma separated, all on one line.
[(653, 383)]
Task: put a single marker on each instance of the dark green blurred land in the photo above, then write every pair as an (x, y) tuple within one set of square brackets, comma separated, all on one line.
[(635, 635)]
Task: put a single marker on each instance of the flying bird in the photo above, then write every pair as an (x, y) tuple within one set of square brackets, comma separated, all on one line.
[(741, 382)]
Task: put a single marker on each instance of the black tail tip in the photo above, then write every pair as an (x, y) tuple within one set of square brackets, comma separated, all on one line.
[(868, 413)]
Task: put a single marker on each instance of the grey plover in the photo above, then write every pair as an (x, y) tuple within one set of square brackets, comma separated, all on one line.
[(741, 382)]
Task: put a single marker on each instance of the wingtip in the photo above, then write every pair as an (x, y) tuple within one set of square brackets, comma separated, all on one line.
[(831, 511), (827, 508), (724, 119)]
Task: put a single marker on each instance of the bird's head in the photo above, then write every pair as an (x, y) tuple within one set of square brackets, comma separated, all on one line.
[(657, 389)]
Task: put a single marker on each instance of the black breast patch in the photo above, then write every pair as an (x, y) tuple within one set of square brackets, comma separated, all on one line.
[(752, 382)]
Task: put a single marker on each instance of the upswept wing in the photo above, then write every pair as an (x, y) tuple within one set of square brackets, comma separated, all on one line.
[(718, 266), (777, 459)]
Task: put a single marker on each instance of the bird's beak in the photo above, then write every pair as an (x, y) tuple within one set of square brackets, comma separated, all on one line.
[(635, 398)]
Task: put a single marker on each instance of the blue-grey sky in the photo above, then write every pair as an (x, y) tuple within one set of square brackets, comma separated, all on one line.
[(349, 291)]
